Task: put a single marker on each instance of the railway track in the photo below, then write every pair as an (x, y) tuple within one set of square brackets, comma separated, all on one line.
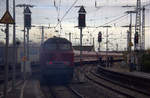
[(113, 86), (104, 85), (18, 83), (92, 90), (133, 82), (60, 91)]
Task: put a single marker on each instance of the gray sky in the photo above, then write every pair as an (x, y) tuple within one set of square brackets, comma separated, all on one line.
[(45, 13)]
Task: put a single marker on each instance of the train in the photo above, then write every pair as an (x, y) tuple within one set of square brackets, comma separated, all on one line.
[(34, 53), (57, 59)]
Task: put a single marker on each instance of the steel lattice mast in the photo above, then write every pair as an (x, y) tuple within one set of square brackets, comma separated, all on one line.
[(138, 23), (143, 28)]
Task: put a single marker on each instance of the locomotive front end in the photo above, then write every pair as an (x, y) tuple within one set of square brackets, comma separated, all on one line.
[(57, 59)]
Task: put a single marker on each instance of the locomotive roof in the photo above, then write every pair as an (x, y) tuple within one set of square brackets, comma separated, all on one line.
[(57, 40)]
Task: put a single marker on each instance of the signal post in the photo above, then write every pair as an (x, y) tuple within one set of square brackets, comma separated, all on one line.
[(27, 23), (81, 25)]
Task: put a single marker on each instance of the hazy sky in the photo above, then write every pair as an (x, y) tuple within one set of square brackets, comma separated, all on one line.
[(47, 13)]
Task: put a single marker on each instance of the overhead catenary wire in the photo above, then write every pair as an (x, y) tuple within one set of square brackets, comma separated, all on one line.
[(113, 20), (118, 18), (66, 13)]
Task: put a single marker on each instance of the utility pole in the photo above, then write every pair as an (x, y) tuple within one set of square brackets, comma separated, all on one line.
[(93, 44), (128, 37), (70, 37), (107, 47), (130, 44), (107, 44), (6, 19), (130, 41), (42, 40), (6, 54), (143, 25), (117, 47), (14, 46), (42, 30)]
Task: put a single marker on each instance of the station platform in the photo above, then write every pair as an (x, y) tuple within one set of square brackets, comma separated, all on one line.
[(29, 89), (120, 67)]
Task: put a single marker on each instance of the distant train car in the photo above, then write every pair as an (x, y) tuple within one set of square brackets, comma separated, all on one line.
[(87, 56), (57, 59)]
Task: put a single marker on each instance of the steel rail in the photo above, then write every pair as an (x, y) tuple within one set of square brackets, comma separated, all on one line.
[(70, 89), (119, 75), (108, 87), (75, 92)]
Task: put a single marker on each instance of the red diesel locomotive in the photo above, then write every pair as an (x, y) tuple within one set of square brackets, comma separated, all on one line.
[(57, 59)]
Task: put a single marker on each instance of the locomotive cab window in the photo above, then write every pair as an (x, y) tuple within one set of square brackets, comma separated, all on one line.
[(50, 46), (64, 46)]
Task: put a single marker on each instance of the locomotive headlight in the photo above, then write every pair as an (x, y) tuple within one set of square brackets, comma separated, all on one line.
[(49, 63)]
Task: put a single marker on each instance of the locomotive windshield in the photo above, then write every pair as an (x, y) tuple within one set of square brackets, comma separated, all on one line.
[(50, 46), (57, 46), (64, 46)]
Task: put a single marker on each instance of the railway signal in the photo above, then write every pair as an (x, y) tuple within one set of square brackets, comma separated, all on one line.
[(100, 37), (27, 17), (136, 38), (82, 17)]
